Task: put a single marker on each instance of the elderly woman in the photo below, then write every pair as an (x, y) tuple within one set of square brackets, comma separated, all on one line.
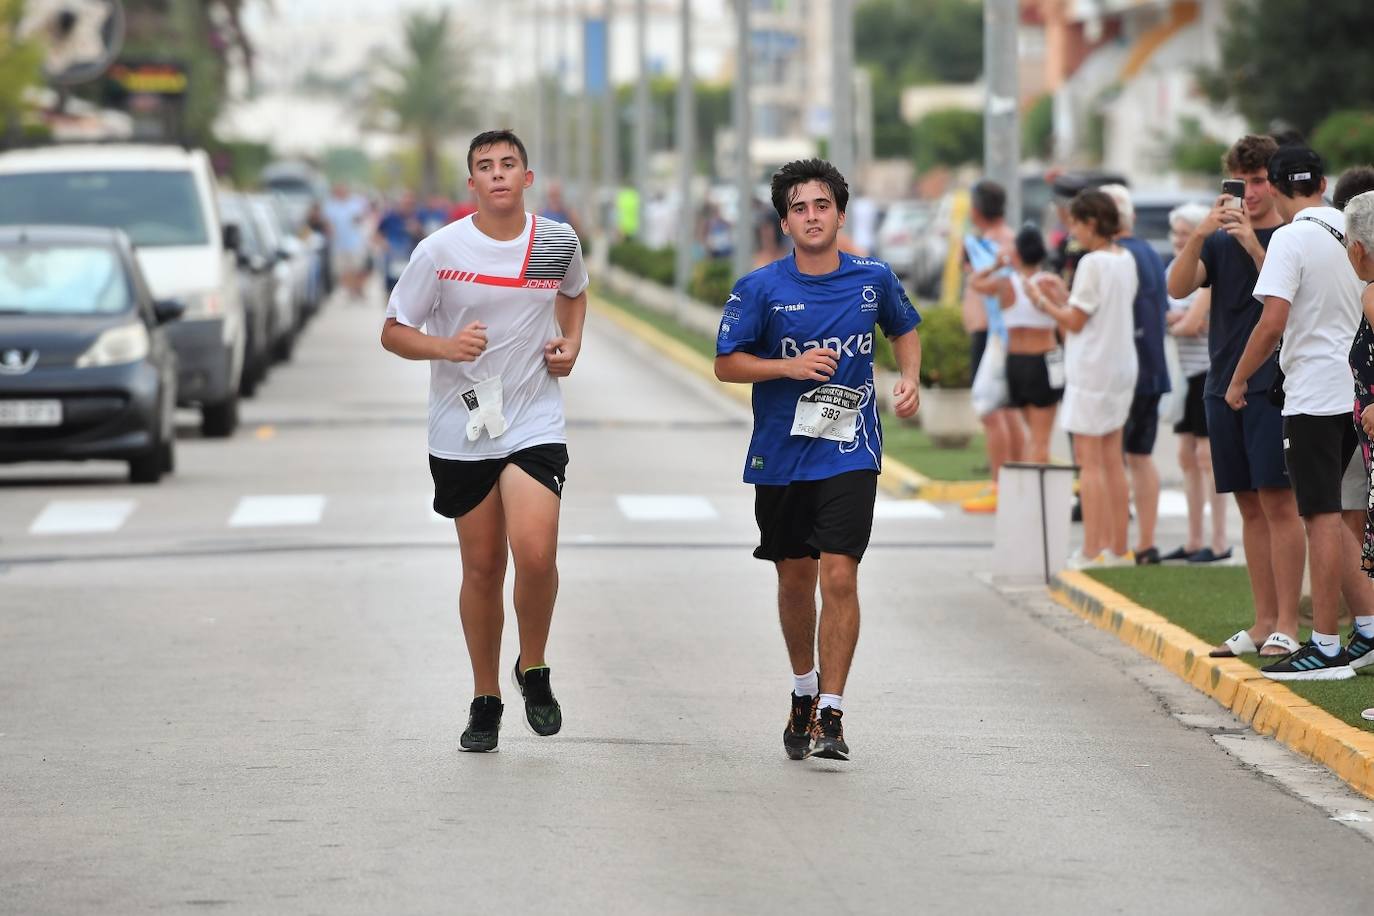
[(1359, 236), (1187, 320), (1098, 324)]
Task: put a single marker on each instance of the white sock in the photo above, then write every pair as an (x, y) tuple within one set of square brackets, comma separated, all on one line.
[(1330, 645), (806, 685), (1365, 625), (832, 701)]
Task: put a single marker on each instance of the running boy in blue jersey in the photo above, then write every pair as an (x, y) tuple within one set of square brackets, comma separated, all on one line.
[(801, 330)]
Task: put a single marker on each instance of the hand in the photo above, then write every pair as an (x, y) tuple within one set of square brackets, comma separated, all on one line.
[(1217, 217), (1235, 394), (1367, 420), (906, 398), (813, 365), (1053, 288), (1238, 226), (467, 344), (560, 354)]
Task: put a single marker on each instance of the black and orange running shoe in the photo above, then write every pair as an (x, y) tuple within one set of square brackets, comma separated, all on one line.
[(796, 738), (827, 736)]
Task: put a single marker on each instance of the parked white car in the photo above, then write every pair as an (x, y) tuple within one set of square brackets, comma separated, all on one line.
[(164, 198)]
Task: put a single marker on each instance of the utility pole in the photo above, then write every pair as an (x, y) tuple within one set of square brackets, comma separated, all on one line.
[(744, 135), (558, 160), (541, 108), (643, 120), (687, 153), (586, 197), (1001, 127), (842, 87), (609, 177)]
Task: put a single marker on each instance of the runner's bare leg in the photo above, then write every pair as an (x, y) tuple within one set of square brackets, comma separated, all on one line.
[(482, 542)]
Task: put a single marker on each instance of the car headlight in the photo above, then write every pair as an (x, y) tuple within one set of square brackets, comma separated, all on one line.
[(127, 343)]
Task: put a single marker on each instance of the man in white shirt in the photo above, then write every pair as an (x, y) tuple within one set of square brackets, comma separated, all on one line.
[(1311, 300), (496, 303)]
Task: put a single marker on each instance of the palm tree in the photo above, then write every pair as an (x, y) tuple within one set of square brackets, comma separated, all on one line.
[(423, 88)]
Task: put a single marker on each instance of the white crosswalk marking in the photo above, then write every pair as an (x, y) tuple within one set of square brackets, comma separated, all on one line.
[(82, 517), (267, 511), (907, 508), (650, 508)]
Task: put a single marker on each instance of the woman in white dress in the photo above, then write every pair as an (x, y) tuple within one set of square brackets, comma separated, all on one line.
[(1099, 372)]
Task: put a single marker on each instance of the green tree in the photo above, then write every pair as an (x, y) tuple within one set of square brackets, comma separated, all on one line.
[(21, 66), (1194, 151), (1293, 62), (913, 42), (950, 136), (1346, 138), (424, 88), (1037, 130)]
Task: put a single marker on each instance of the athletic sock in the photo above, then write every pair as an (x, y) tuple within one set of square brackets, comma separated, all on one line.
[(806, 685), (1330, 645), (1365, 625), (832, 701)]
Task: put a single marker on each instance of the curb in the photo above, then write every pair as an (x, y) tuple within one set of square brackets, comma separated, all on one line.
[(1266, 706), (897, 479)]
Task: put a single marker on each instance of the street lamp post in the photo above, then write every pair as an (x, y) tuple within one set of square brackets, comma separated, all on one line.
[(643, 122), (1001, 129), (744, 135), (842, 88), (609, 179), (686, 151)]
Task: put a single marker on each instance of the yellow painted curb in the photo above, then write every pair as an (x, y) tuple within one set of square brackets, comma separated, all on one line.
[(1267, 706), (897, 479)]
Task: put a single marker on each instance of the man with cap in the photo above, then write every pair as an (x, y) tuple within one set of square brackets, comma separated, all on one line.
[(1311, 299)]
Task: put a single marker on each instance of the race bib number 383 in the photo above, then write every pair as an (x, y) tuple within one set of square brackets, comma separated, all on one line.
[(828, 412)]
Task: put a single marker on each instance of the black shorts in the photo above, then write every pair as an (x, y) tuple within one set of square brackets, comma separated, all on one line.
[(1028, 381), (1194, 422), (1316, 450), (977, 344), (806, 518), (1142, 425), (459, 486)]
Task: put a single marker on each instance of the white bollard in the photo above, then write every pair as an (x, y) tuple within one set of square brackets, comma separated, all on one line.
[(1034, 503)]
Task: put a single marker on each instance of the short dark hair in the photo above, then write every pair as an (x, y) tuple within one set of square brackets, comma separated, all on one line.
[(1250, 153), (1352, 184), (493, 137), (989, 198), (1030, 246), (801, 171), (1098, 208)]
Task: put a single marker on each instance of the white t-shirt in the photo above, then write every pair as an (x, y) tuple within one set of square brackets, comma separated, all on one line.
[(1101, 357), (1306, 265), (1193, 357), (457, 276)]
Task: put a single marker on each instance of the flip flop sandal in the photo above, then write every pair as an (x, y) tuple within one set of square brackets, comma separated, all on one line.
[(1240, 644), (1368, 714), (1283, 641)]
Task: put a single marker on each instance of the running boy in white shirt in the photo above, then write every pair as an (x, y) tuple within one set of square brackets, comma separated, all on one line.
[(496, 302)]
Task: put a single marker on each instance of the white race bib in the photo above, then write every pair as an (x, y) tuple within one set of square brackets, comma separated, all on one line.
[(828, 412), (1054, 365)]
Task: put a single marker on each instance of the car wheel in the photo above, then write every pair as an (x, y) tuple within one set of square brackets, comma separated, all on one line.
[(218, 421), (147, 468), (168, 454)]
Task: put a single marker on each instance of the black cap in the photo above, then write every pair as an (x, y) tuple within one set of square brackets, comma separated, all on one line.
[(1295, 163)]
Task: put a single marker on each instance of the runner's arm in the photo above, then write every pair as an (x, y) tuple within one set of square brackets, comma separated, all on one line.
[(412, 343), (560, 354), (906, 394), (816, 365)]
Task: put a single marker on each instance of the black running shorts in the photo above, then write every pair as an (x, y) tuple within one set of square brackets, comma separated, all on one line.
[(1028, 381), (459, 486), (807, 518), (1316, 450)]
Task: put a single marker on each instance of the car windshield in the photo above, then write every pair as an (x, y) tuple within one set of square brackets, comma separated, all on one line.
[(61, 280), (1152, 222), (155, 208)]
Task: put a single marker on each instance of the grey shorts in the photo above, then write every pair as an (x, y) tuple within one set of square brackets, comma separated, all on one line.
[(1355, 485)]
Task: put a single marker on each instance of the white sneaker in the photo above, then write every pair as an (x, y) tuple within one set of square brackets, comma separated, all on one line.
[(1077, 561), (1111, 559)]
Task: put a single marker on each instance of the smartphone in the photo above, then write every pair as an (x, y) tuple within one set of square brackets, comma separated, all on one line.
[(1236, 188)]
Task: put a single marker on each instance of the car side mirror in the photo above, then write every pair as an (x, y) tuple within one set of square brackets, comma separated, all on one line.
[(233, 241), (166, 310)]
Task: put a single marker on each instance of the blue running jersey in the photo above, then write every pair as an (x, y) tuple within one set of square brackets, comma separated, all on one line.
[(808, 430)]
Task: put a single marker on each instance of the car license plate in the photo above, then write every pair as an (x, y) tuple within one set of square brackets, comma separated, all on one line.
[(30, 413)]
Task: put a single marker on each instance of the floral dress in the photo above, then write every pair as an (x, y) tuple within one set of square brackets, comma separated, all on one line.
[(1362, 367)]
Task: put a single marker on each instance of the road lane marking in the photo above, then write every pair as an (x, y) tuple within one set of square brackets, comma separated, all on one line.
[(268, 511), (907, 508), (82, 517), (661, 508)]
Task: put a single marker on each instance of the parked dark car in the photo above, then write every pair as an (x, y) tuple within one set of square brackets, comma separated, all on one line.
[(86, 367), (257, 290)]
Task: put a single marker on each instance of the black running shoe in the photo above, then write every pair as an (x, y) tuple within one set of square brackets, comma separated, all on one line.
[(1310, 664), (1360, 649), (542, 712), (796, 737), (828, 736), (484, 725)]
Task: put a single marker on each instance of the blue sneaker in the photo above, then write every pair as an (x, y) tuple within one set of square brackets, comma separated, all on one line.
[(1360, 649)]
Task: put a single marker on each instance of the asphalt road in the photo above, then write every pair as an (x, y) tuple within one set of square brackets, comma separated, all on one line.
[(244, 693)]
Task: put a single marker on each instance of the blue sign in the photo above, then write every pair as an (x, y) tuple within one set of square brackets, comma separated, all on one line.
[(595, 53)]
